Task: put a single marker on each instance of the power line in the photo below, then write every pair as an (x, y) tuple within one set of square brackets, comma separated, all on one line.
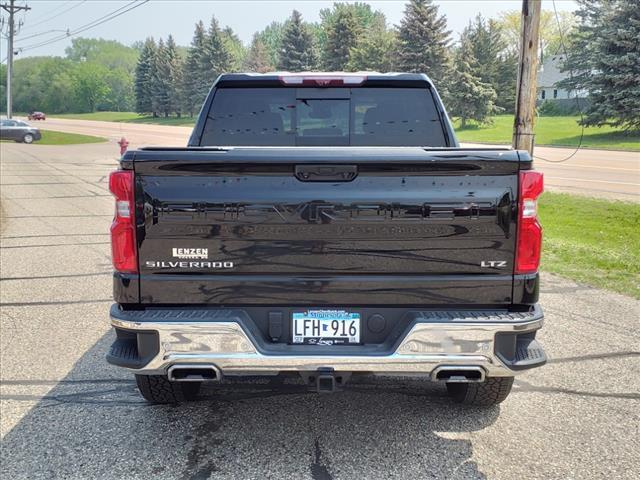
[(38, 17), (75, 4), (40, 33), (99, 21), (76, 30)]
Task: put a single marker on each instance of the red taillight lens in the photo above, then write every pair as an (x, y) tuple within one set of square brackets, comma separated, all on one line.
[(529, 239), (123, 228)]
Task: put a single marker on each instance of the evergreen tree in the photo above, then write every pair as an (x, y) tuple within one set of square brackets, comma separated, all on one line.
[(144, 74), (161, 81), (366, 18), (237, 51), (470, 97), (499, 64), (374, 52), (297, 50), (605, 61), (271, 38), (175, 76), (342, 36), (195, 83), (257, 59), (216, 58), (424, 41), (506, 81)]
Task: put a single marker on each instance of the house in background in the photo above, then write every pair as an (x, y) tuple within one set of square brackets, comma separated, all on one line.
[(548, 77)]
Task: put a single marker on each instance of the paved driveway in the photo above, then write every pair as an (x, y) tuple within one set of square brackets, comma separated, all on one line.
[(65, 413)]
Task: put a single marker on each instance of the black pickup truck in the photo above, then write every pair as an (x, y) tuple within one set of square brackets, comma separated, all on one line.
[(327, 225)]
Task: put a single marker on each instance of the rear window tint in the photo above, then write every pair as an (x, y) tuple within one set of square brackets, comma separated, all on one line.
[(289, 116)]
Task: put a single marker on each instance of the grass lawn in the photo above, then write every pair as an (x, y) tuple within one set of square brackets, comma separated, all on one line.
[(558, 131), (49, 137), (596, 242), (128, 117)]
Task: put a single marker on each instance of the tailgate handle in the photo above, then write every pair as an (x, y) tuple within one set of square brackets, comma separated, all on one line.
[(326, 173)]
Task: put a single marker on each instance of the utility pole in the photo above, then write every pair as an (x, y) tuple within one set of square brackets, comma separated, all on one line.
[(526, 90), (11, 8)]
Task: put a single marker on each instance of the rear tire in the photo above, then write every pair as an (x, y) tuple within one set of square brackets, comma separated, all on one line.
[(159, 389), (492, 391), (28, 138)]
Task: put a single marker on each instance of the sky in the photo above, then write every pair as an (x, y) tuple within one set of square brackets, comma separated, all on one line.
[(50, 19)]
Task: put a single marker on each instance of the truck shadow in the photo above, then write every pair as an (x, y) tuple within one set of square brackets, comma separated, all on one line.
[(93, 424)]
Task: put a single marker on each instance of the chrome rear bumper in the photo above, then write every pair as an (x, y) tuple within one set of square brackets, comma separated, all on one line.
[(463, 339)]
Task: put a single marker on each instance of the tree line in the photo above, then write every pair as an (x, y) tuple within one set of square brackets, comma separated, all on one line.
[(95, 74), (475, 72), (476, 77)]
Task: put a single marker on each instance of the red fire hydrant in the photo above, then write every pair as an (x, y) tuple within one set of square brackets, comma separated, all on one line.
[(124, 143)]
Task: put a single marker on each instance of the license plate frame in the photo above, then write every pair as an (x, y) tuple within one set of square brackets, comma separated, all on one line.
[(320, 326)]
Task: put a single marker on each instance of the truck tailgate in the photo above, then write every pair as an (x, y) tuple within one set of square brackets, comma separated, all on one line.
[(330, 226)]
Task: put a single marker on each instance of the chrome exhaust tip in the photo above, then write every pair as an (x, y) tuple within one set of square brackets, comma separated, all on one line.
[(194, 373), (458, 374)]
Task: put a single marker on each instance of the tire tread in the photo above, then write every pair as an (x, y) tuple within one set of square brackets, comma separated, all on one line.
[(159, 389), (492, 391)]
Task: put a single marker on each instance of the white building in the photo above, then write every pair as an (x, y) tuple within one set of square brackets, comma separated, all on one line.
[(548, 77)]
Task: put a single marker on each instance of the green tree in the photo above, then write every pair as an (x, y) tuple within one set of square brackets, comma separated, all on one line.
[(374, 52), (121, 62), (499, 66), (550, 33), (342, 35), (121, 96), (145, 71), (89, 86), (271, 37), (506, 81), (195, 77), (257, 59), (217, 58), (44, 83), (161, 81), (424, 41), (605, 61), (110, 53), (297, 49), (470, 97), (236, 49), (367, 19), (175, 65)]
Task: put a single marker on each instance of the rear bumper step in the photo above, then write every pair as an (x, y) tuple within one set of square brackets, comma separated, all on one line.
[(207, 344)]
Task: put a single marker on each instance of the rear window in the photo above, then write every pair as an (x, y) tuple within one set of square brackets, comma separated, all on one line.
[(323, 117)]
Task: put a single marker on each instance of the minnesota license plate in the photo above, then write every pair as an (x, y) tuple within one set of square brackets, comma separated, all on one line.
[(326, 327)]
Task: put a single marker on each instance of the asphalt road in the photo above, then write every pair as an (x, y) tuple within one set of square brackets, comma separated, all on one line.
[(65, 413), (599, 173)]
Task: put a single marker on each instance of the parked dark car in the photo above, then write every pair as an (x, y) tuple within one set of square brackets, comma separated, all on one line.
[(37, 116), (18, 131)]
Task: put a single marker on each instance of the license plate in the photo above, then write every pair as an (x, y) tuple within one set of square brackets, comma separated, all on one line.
[(326, 327)]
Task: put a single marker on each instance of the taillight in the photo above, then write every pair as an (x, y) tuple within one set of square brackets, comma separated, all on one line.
[(529, 239), (123, 228)]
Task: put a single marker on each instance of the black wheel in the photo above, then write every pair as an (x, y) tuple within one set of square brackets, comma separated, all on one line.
[(492, 391), (159, 389), (28, 138)]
